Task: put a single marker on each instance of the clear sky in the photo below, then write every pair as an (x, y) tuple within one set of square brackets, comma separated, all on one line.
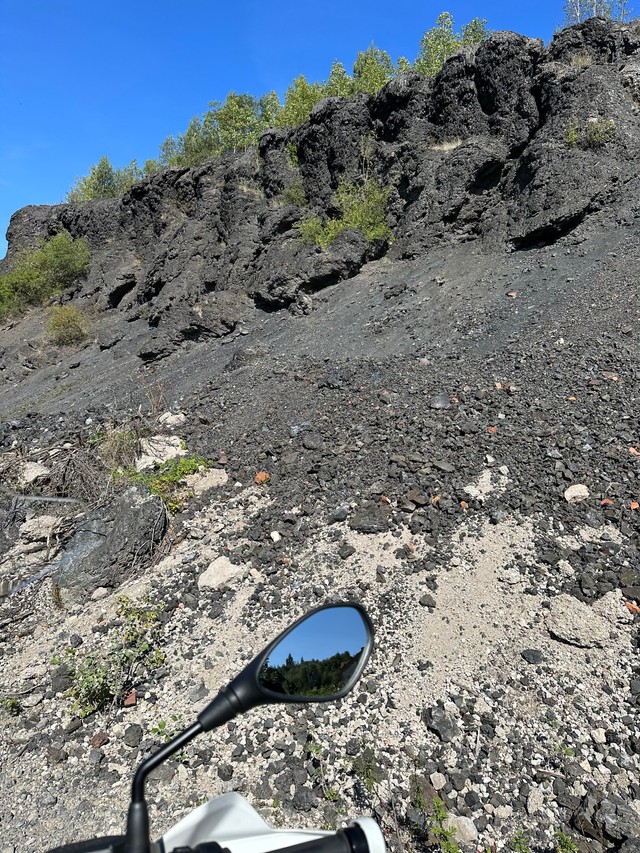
[(80, 79)]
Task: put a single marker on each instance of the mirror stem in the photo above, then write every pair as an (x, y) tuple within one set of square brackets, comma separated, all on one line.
[(137, 834)]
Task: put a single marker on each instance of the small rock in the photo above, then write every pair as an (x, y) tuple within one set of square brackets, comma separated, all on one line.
[(219, 574), (573, 622), (133, 735), (532, 655), (440, 401), (465, 829), (576, 493)]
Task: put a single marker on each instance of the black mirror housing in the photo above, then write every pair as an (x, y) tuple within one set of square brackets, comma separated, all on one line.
[(264, 681)]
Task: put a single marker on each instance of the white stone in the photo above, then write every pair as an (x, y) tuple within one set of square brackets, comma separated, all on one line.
[(275, 536), (32, 471), (172, 419), (99, 593), (465, 828), (576, 493), (438, 780), (158, 449), (598, 736), (219, 573), (38, 528), (200, 483), (535, 801)]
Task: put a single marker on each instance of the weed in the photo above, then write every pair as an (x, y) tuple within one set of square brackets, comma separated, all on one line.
[(292, 151), (362, 205), (598, 132), (68, 326), (12, 706), (166, 731), (366, 769), (581, 60), (571, 132), (563, 749), (565, 844), (593, 133), (167, 480), (119, 447), (416, 793), (294, 194), (444, 837), (519, 843), (102, 677)]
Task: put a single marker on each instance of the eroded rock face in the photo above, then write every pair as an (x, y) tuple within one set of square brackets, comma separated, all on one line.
[(112, 543), (478, 152)]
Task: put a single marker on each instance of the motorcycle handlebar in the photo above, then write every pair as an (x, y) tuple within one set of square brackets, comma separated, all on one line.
[(364, 836)]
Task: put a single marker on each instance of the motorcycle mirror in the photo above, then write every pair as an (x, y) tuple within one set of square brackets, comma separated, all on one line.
[(317, 659)]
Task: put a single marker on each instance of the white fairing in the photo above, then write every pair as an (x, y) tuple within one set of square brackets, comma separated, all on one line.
[(233, 823)]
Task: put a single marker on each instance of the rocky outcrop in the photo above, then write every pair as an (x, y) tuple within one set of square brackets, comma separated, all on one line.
[(495, 148)]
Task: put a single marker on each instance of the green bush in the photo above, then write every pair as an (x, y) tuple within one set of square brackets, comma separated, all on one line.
[(68, 325), (294, 194), (167, 480), (362, 205), (37, 274), (593, 133), (103, 677)]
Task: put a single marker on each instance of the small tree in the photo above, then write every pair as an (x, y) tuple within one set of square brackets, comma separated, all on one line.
[(372, 69), (438, 43), (576, 11), (103, 181), (299, 100), (339, 84)]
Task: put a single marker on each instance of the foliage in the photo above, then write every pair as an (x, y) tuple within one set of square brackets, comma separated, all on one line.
[(576, 11), (339, 84), (12, 706), (519, 843), (102, 677), (68, 325), (565, 844), (118, 448), (300, 98), (309, 677), (165, 730), (372, 70), (104, 181), (597, 132), (438, 43), (445, 837), (37, 274), (167, 480), (593, 133), (294, 193), (366, 769), (362, 205)]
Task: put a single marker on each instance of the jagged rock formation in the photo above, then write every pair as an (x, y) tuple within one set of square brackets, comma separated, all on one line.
[(478, 153)]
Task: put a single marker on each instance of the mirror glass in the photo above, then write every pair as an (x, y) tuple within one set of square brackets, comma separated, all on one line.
[(318, 658)]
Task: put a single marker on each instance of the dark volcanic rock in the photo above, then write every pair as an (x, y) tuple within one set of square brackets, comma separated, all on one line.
[(112, 543)]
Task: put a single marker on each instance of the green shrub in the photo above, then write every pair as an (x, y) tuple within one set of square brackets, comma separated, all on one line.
[(167, 480), (362, 205), (104, 181), (294, 193), (597, 132), (103, 677), (68, 325), (593, 133), (12, 706), (37, 274), (445, 837)]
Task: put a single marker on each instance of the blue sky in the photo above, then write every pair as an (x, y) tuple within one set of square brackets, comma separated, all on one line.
[(323, 635), (80, 79)]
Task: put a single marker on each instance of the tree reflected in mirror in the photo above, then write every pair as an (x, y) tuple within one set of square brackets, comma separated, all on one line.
[(318, 658)]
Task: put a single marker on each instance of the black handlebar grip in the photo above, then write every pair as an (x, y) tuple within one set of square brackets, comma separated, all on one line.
[(349, 840)]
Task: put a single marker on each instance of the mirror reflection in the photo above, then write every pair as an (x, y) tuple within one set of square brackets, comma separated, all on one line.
[(319, 657)]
